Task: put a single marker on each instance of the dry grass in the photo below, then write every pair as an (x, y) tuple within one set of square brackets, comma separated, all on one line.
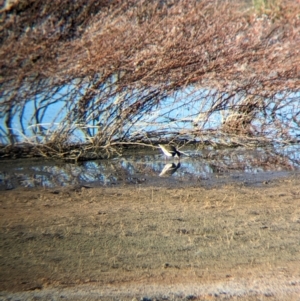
[(118, 237)]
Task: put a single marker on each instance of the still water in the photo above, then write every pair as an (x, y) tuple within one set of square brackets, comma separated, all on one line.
[(205, 167)]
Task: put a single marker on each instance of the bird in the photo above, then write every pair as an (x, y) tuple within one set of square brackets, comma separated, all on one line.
[(170, 150)]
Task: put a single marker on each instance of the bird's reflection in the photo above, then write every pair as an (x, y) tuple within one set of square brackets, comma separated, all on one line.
[(169, 169)]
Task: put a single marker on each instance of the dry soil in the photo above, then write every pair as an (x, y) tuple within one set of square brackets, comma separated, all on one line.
[(132, 243)]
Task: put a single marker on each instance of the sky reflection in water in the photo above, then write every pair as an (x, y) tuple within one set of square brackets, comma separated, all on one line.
[(199, 167)]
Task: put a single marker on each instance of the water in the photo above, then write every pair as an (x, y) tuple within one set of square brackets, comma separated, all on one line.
[(178, 114), (206, 167)]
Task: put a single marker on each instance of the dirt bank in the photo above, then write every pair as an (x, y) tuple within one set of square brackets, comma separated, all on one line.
[(228, 242)]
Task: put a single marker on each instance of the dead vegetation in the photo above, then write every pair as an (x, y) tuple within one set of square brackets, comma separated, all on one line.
[(110, 73), (133, 237)]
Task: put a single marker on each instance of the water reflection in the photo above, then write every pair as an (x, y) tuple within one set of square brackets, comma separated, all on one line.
[(169, 169), (149, 169)]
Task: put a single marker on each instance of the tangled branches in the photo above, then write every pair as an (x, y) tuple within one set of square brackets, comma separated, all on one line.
[(113, 72)]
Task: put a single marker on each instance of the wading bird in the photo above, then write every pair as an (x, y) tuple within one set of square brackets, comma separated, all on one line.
[(170, 150)]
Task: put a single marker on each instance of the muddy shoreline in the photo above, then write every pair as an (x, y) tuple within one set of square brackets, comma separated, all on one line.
[(229, 241)]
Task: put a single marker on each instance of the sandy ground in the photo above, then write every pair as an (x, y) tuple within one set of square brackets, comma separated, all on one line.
[(139, 243)]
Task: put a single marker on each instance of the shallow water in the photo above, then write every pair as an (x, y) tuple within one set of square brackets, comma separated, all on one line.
[(197, 168)]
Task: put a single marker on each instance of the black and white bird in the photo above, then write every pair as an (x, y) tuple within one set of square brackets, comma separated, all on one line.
[(170, 150)]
